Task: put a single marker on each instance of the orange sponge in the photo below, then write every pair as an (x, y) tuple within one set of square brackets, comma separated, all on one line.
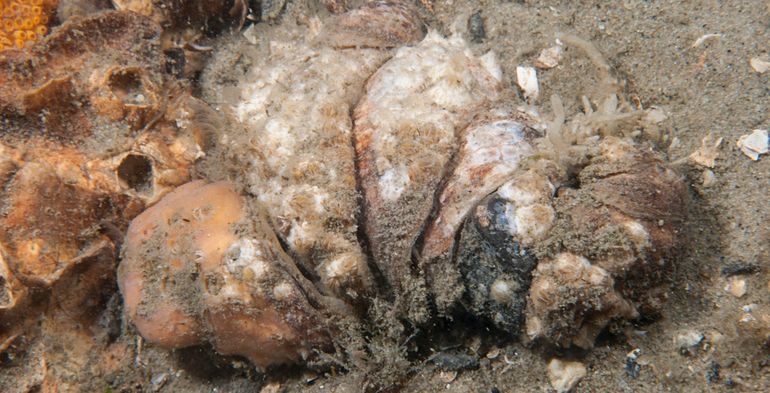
[(23, 22)]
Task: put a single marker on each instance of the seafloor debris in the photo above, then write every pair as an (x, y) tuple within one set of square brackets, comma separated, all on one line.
[(754, 145), (760, 64), (708, 152), (565, 374), (549, 57), (526, 77)]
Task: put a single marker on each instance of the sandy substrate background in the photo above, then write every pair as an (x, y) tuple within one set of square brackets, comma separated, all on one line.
[(705, 88)]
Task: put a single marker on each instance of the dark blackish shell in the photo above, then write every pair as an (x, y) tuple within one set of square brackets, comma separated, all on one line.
[(487, 254)]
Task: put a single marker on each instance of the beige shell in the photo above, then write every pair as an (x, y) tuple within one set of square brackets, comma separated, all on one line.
[(405, 134), (491, 150), (295, 105)]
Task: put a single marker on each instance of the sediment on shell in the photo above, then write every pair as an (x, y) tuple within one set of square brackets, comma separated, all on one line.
[(377, 24), (491, 149), (495, 250), (295, 105), (627, 244), (403, 157)]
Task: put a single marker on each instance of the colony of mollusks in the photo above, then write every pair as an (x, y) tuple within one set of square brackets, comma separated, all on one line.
[(385, 161)]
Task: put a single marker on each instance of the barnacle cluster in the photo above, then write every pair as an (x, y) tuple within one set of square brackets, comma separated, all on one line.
[(365, 158), (393, 164), (24, 21)]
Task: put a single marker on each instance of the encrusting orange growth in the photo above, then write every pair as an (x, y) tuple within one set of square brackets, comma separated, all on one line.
[(23, 22)]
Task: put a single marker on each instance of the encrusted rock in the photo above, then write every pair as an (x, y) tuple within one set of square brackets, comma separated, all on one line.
[(92, 133), (189, 276)]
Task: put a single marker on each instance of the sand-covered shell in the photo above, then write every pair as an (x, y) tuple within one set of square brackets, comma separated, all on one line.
[(491, 150), (617, 235), (406, 131), (295, 105)]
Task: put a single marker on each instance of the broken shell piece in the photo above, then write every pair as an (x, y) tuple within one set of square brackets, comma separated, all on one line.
[(736, 286), (549, 57), (753, 145), (709, 178), (565, 374), (186, 277), (706, 37), (377, 24), (526, 78), (405, 133), (708, 153), (760, 64)]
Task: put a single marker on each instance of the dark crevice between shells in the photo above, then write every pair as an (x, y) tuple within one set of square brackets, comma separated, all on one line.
[(418, 264), (380, 282)]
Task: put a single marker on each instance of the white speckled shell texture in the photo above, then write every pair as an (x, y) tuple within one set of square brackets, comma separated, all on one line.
[(399, 167)]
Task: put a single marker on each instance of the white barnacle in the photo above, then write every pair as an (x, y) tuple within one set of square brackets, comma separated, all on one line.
[(393, 183), (503, 291)]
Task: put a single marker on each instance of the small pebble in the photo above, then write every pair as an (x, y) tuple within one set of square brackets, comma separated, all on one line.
[(564, 374), (632, 366), (476, 27), (753, 145), (158, 380), (736, 287), (454, 362), (526, 78), (447, 376), (760, 64), (749, 307), (739, 269), (688, 341), (712, 373), (715, 337), (709, 178), (549, 57), (272, 387)]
